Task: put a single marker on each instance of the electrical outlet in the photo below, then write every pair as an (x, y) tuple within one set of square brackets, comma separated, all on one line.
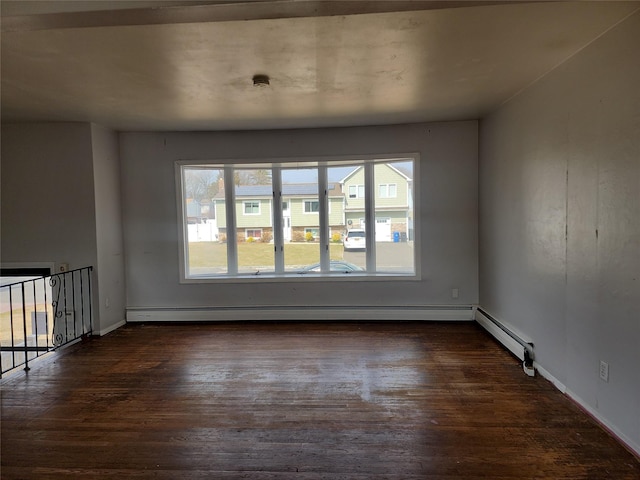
[(604, 371), (455, 293)]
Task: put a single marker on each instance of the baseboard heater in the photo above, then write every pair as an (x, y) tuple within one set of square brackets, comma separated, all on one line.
[(296, 313), (521, 348)]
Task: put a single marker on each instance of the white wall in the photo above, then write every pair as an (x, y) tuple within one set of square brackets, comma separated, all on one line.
[(560, 223), (110, 279), (48, 212), (448, 211), (61, 204)]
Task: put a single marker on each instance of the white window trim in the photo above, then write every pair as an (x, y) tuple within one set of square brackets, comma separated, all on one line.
[(320, 205), (244, 208), (387, 190), (304, 206), (246, 232), (359, 188), (322, 163)]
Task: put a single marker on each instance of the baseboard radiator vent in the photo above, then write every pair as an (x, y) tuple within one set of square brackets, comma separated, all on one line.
[(297, 313), (512, 341)]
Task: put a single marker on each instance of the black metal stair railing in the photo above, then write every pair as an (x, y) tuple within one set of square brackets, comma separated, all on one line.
[(41, 314)]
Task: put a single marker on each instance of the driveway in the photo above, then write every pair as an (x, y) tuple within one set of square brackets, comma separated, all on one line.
[(389, 256)]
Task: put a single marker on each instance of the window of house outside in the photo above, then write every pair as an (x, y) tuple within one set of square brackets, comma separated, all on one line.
[(256, 234), (387, 190), (251, 208), (311, 206), (269, 221), (356, 191)]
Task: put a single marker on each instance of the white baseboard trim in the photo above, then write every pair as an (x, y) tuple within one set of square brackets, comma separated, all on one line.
[(366, 313), (547, 376), (517, 349), (111, 328), (589, 410), (612, 429)]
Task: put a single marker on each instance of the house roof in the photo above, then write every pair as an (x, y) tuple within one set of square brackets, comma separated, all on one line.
[(302, 189), (400, 169)]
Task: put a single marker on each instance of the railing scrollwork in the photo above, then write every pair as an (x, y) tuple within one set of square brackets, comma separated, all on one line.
[(44, 313)]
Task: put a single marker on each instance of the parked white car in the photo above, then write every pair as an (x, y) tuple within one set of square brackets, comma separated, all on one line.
[(355, 240)]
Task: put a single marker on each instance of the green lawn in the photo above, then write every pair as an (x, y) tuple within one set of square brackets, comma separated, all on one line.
[(214, 254)]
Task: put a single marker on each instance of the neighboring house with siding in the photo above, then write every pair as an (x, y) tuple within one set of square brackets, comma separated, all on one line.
[(254, 205), (253, 212), (393, 202), (300, 210)]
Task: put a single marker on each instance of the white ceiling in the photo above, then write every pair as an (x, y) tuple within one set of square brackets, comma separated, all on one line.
[(189, 66)]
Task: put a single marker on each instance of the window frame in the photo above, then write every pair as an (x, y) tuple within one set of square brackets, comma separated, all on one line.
[(304, 206), (387, 190), (310, 201), (359, 188), (252, 229), (227, 166), (244, 207)]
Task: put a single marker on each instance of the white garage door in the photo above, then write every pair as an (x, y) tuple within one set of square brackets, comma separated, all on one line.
[(383, 230)]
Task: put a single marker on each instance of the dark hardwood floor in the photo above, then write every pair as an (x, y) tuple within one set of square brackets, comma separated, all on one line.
[(296, 401)]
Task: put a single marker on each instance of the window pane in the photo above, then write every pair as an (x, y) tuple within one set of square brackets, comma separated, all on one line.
[(344, 216), (254, 195), (251, 208), (394, 217), (207, 246), (311, 206), (300, 222), (205, 215)]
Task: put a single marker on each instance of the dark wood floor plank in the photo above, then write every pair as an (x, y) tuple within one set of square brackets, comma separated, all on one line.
[(296, 400)]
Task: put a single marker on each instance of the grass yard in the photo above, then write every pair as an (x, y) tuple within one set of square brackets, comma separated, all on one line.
[(214, 254)]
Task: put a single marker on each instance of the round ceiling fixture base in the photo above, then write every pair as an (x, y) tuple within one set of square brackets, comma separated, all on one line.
[(260, 80)]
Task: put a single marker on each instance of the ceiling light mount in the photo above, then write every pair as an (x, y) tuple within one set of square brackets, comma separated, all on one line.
[(260, 80)]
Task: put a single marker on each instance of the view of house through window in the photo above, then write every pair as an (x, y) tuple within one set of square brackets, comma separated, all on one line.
[(315, 219), (205, 221), (393, 216), (253, 191), (300, 221)]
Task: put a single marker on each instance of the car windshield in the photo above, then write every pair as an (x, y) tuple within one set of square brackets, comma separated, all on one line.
[(355, 234), (334, 266)]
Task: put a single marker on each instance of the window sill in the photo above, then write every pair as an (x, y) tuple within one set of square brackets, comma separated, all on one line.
[(303, 277)]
